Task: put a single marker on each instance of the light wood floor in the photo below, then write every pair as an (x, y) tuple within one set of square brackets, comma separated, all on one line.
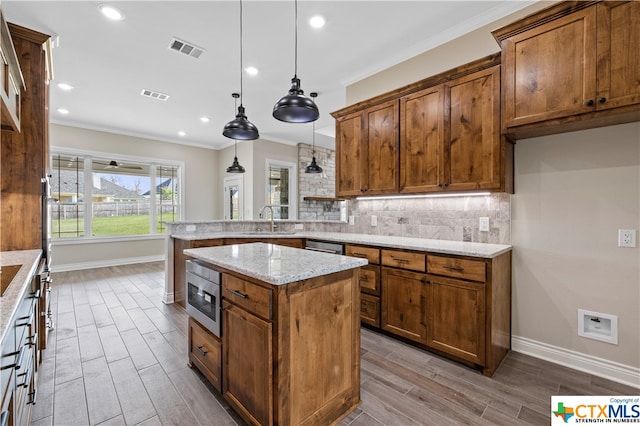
[(118, 356)]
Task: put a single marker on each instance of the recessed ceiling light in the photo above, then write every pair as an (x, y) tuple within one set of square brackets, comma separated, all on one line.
[(181, 133), (251, 70), (65, 86), (317, 21), (204, 119), (111, 12), (63, 111)]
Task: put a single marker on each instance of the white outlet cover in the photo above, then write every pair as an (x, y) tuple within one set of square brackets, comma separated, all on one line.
[(190, 228), (374, 220), (352, 220), (626, 238), (298, 226), (484, 224)]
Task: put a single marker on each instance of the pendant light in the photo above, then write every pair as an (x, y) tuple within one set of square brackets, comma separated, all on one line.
[(294, 107), (313, 166), (240, 127), (235, 167)]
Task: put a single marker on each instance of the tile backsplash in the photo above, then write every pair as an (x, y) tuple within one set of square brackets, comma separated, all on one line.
[(446, 218)]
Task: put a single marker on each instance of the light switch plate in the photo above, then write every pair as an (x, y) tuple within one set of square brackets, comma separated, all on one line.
[(352, 220), (374, 220)]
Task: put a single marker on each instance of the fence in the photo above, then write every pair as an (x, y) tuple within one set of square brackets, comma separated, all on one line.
[(110, 209)]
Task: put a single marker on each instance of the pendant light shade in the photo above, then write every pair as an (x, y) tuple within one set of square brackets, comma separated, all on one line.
[(240, 127), (235, 167), (294, 107), (313, 166)]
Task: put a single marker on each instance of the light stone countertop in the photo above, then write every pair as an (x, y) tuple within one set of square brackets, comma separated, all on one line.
[(274, 264), (483, 250), (12, 297)]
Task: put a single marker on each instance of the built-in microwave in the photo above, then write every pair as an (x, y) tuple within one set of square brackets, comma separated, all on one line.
[(203, 296)]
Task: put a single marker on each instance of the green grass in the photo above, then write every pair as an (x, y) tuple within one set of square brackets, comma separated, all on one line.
[(108, 226)]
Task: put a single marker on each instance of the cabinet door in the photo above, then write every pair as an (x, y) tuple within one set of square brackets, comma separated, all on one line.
[(550, 70), (472, 136), (456, 318), (248, 363), (404, 303), (205, 352), (382, 139), (350, 153), (421, 140), (618, 54)]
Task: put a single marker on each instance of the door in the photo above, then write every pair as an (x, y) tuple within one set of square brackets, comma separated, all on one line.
[(473, 154), (456, 318), (350, 151), (421, 140), (248, 363), (404, 303), (233, 196), (550, 70)]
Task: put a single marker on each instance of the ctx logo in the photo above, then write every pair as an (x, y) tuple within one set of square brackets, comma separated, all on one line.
[(581, 411)]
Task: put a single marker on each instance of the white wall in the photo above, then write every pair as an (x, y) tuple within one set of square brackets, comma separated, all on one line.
[(201, 180), (573, 192)]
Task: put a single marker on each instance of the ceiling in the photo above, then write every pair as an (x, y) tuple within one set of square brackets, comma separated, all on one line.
[(109, 63)]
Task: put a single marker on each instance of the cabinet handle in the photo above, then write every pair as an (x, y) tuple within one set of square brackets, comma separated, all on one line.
[(590, 102), (32, 339), (33, 395), (602, 100), (35, 294), (400, 260), (453, 268), (237, 293), (364, 278), (202, 351), (27, 379), (358, 254), (425, 280)]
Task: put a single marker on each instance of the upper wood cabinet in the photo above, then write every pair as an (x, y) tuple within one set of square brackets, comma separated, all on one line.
[(11, 80), (367, 161), (439, 134), (572, 66)]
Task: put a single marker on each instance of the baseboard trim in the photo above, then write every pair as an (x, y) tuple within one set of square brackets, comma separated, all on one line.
[(600, 367), (105, 263)]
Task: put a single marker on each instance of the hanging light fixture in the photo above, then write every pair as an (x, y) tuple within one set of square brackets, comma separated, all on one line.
[(235, 167), (313, 166), (240, 127), (294, 107)]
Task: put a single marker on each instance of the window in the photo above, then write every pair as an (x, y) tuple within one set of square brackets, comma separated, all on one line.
[(281, 189), (106, 197)]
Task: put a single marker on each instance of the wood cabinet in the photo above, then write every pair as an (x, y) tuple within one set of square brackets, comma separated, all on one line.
[(291, 353), (369, 283), (11, 80), (25, 154), (370, 139), (205, 352), (288, 242), (440, 134), (572, 66), (404, 304)]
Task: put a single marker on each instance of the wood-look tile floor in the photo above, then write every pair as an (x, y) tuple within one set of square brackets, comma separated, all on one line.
[(118, 356)]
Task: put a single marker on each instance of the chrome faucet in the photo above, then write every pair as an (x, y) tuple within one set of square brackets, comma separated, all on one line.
[(273, 226)]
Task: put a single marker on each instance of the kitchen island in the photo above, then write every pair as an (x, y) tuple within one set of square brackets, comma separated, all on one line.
[(289, 350)]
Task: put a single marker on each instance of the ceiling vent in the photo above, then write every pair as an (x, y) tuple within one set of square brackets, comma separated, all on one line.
[(155, 95), (185, 48)]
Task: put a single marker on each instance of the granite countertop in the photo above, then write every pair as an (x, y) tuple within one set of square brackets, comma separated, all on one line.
[(483, 250), (274, 264), (9, 302)]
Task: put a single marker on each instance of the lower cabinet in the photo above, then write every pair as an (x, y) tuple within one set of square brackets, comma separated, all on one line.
[(404, 304), (248, 359), (205, 352)]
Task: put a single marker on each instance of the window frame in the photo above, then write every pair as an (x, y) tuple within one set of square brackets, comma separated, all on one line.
[(293, 184), (152, 162)]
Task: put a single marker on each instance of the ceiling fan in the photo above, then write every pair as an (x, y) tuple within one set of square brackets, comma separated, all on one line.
[(114, 165)]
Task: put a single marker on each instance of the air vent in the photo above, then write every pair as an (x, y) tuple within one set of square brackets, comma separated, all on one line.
[(185, 48), (155, 95)]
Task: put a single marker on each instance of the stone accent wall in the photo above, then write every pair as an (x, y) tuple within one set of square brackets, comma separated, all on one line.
[(318, 185)]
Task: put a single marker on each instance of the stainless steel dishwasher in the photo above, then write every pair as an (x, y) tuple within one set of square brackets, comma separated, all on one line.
[(324, 246)]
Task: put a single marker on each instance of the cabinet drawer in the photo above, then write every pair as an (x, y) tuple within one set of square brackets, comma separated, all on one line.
[(474, 270), (370, 279), (404, 260), (206, 243), (247, 295), (205, 351), (370, 310), (369, 253)]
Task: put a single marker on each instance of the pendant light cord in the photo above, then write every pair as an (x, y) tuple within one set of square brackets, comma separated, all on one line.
[(241, 91), (295, 69), (313, 134)]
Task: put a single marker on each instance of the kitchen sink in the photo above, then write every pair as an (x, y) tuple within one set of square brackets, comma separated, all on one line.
[(6, 276)]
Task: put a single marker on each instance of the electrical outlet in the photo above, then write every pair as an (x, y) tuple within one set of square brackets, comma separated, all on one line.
[(626, 237), (190, 228), (374, 220), (484, 224), (352, 220), (298, 226)]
